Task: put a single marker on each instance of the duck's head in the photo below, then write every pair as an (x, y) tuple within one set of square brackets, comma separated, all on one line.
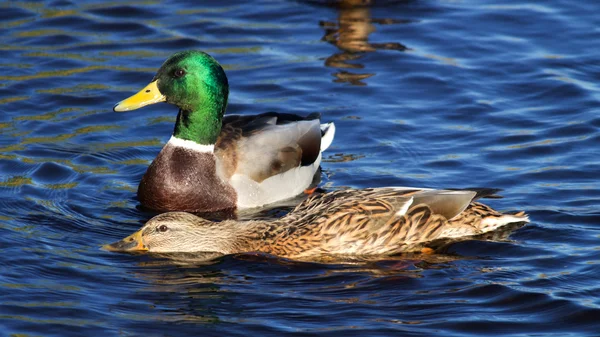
[(178, 232), (188, 79)]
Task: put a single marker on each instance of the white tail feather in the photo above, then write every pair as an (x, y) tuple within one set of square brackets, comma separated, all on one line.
[(328, 130), (492, 223), (486, 225)]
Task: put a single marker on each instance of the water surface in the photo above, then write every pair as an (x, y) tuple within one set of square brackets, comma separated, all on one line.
[(424, 93)]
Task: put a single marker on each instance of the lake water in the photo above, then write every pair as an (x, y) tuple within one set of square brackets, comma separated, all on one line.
[(501, 94)]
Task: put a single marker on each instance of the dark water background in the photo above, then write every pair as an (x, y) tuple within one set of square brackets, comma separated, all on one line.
[(438, 94)]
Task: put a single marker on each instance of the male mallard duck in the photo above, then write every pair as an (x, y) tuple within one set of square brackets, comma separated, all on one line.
[(213, 162), (376, 221)]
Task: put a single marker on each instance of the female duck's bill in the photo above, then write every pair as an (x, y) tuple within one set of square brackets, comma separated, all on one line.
[(368, 222), (132, 243), (213, 162)]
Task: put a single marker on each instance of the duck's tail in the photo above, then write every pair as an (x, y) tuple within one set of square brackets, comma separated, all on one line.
[(479, 219), (327, 134), (491, 223)]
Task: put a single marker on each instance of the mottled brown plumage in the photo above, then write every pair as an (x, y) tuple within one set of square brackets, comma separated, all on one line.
[(378, 221)]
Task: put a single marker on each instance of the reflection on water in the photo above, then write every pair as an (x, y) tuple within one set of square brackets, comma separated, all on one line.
[(218, 290), (350, 33)]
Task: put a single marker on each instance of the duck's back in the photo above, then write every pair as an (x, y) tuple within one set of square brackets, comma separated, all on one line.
[(268, 157), (384, 221)]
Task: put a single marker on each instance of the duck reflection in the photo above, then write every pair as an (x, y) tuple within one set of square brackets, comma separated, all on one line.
[(350, 33)]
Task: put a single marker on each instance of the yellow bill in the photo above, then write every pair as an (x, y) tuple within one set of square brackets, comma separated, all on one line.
[(132, 243), (149, 95)]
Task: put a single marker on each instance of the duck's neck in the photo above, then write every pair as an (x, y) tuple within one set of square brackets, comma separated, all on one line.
[(232, 236), (201, 125), (257, 236)]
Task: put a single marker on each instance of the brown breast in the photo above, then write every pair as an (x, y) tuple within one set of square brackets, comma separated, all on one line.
[(181, 179)]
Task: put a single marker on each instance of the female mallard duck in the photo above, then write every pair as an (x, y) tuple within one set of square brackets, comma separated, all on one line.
[(213, 162), (377, 221)]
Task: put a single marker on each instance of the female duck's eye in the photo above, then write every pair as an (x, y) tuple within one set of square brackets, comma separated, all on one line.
[(163, 228), (179, 72)]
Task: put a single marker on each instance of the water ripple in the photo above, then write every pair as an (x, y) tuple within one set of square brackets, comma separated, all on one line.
[(432, 94)]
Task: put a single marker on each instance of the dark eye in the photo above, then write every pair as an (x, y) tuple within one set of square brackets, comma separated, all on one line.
[(179, 72), (163, 228)]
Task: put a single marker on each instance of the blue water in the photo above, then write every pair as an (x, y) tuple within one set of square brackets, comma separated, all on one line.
[(424, 93)]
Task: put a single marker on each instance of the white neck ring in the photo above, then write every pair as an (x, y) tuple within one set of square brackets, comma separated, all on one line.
[(191, 145)]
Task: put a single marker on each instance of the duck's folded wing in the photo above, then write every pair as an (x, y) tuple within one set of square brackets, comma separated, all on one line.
[(389, 220), (447, 203), (266, 145)]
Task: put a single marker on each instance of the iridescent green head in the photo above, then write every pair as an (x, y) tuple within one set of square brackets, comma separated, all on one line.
[(197, 84)]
